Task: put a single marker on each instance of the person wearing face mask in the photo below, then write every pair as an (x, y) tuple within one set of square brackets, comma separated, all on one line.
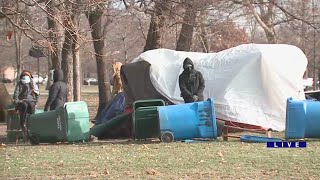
[(191, 83), (25, 96), (57, 92)]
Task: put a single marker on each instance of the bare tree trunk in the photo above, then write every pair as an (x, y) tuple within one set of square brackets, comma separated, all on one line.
[(271, 37), (303, 32), (55, 35), (17, 44), (76, 65), (203, 35), (67, 61), (95, 22), (264, 19), (157, 22), (204, 40), (49, 81), (185, 38), (55, 38)]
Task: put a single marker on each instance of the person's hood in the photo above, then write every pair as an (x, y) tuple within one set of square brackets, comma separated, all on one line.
[(25, 73), (58, 75), (188, 61)]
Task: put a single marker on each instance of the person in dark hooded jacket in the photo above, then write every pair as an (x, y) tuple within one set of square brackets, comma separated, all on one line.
[(57, 92), (191, 83)]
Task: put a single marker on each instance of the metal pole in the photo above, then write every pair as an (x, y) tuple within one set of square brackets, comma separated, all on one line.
[(38, 71), (315, 81)]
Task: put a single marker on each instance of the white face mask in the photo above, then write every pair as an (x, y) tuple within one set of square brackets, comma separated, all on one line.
[(25, 79)]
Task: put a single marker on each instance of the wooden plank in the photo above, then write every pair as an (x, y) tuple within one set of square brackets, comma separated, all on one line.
[(249, 130)]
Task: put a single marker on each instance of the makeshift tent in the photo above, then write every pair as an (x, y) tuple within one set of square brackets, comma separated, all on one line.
[(249, 83), (5, 101), (136, 83), (113, 122), (113, 108)]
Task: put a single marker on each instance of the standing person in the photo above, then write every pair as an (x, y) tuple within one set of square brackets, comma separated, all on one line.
[(57, 92), (191, 83), (25, 96)]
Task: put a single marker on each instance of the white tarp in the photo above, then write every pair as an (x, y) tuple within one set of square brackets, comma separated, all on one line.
[(249, 83)]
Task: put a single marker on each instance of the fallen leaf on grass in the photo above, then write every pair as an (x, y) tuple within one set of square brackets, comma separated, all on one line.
[(151, 172), (223, 161), (60, 163), (93, 174), (105, 172), (220, 154)]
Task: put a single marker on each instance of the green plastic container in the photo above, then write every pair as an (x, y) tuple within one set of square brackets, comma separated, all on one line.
[(11, 136), (146, 119), (68, 123)]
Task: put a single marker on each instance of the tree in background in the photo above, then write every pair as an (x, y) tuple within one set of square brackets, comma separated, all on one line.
[(184, 42), (55, 33), (95, 20), (157, 22), (119, 30), (221, 36)]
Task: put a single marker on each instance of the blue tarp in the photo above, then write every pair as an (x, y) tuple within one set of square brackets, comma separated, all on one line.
[(114, 108)]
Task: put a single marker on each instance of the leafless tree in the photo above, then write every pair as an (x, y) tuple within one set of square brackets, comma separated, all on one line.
[(54, 10), (95, 21), (157, 22), (186, 34)]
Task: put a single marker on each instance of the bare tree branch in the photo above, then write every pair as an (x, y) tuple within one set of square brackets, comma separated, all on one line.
[(296, 17)]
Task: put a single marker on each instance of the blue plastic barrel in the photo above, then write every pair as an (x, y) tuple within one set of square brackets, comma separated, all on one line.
[(187, 121), (302, 119)]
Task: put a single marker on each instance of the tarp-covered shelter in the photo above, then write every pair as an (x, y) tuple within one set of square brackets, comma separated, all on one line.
[(249, 83), (137, 84)]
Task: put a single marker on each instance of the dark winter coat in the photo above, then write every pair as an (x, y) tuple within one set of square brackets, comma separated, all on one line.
[(57, 92), (191, 83)]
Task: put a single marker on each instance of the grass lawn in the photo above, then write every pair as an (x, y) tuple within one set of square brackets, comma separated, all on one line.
[(127, 159), (134, 160)]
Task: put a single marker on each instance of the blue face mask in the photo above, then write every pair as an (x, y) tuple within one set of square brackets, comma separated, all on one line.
[(25, 79)]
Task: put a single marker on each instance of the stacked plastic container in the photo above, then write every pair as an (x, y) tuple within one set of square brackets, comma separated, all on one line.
[(302, 119)]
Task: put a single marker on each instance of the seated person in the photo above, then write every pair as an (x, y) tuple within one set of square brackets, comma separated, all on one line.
[(25, 96)]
